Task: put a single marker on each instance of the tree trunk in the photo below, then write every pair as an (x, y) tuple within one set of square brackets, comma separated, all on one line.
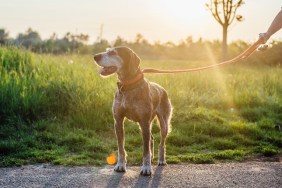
[(224, 43)]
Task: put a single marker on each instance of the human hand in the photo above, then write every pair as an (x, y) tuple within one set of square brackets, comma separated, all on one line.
[(264, 36)]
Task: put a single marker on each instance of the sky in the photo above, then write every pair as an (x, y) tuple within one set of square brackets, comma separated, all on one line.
[(156, 20)]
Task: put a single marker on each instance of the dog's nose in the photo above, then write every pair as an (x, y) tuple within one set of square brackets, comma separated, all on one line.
[(97, 57)]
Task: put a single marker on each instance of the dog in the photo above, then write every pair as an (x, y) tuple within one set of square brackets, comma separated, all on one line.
[(138, 100)]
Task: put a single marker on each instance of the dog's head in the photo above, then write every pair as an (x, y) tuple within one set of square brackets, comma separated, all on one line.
[(120, 60)]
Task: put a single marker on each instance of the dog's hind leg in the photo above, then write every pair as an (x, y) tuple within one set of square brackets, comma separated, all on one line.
[(164, 115), (152, 148)]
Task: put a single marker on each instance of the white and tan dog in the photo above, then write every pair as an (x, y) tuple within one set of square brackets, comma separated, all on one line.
[(138, 100)]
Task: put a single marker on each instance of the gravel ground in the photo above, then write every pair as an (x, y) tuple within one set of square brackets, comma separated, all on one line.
[(249, 174)]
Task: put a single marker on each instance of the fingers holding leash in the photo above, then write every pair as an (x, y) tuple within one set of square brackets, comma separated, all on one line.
[(264, 37)]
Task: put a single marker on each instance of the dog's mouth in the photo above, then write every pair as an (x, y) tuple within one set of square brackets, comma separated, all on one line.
[(105, 71)]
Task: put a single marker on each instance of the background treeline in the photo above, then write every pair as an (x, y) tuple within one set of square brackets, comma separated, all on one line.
[(188, 49)]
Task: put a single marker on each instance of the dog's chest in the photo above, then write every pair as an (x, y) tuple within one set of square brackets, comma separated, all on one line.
[(133, 105)]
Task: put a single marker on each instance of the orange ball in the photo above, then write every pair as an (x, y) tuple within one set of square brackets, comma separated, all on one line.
[(111, 159)]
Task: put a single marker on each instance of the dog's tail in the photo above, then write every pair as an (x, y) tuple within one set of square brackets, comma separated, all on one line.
[(166, 111)]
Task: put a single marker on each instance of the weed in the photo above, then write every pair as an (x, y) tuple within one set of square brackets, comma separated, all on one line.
[(268, 150)]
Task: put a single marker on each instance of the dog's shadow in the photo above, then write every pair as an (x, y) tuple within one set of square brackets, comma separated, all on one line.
[(150, 181), (115, 180)]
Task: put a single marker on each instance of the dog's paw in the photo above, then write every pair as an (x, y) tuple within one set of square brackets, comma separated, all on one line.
[(120, 167), (162, 163), (146, 170)]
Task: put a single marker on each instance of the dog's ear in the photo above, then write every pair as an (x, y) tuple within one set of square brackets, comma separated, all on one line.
[(130, 59)]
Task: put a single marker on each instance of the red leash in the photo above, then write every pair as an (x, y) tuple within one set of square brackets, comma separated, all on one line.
[(243, 55)]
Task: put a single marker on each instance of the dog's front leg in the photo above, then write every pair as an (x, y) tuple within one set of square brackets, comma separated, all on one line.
[(146, 168), (121, 164)]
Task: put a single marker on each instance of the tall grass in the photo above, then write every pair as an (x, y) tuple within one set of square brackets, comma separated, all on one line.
[(33, 88), (57, 109)]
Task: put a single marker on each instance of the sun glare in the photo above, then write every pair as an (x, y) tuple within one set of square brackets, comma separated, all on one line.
[(175, 20), (180, 12), (219, 78)]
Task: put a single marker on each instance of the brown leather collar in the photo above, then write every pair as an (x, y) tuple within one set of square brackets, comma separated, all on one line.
[(133, 83), (138, 77)]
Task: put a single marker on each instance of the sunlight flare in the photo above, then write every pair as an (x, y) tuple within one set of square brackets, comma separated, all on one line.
[(220, 80)]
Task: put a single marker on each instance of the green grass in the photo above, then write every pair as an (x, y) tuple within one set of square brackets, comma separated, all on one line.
[(52, 110)]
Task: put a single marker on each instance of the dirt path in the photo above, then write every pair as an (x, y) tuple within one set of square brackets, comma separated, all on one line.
[(249, 174)]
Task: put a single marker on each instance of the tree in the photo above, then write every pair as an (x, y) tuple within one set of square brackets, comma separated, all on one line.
[(82, 38), (101, 45), (3, 36), (30, 40), (139, 38), (120, 41), (224, 11)]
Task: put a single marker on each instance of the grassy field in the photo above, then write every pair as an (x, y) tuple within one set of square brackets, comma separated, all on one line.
[(58, 109)]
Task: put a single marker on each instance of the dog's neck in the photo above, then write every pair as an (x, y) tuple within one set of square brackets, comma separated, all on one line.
[(137, 78), (129, 80), (134, 82)]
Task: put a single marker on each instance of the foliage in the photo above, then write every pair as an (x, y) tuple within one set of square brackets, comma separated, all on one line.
[(187, 49), (224, 12), (57, 109), (3, 36), (31, 40)]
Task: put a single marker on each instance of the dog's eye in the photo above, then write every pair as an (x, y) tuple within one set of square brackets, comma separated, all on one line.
[(112, 52)]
